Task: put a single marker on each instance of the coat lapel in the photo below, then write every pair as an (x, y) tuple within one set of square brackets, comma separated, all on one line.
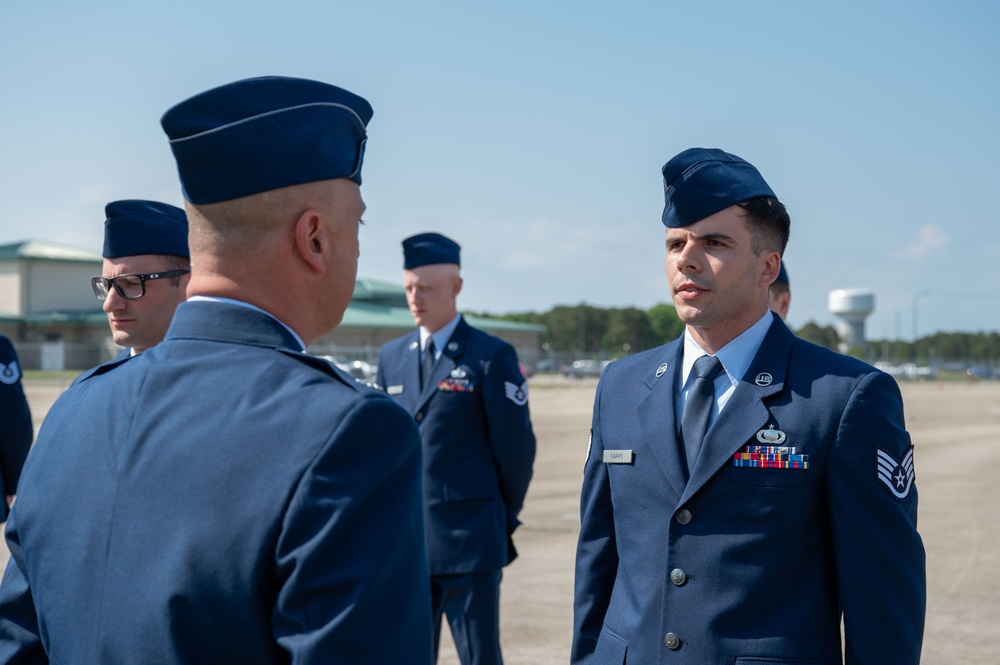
[(410, 373), (656, 418), (745, 413)]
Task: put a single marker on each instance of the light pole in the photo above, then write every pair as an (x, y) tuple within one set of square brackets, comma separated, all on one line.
[(916, 297)]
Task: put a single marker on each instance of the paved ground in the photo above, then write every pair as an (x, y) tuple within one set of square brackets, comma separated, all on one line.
[(956, 427)]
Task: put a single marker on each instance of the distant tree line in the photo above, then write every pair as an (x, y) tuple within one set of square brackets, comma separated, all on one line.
[(585, 331)]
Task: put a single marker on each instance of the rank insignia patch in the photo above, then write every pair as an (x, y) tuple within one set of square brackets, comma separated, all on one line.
[(9, 374), (516, 394), (897, 476)]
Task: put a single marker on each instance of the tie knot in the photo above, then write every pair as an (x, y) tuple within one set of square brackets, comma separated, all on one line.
[(429, 347), (707, 367)]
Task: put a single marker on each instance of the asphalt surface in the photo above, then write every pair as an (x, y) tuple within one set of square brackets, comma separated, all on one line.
[(956, 429)]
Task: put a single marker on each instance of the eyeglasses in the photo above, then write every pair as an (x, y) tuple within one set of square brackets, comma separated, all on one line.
[(129, 287)]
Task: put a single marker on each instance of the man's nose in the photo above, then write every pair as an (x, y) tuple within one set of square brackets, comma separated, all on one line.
[(113, 302)]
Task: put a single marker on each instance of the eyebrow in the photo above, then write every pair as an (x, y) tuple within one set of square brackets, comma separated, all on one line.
[(706, 236)]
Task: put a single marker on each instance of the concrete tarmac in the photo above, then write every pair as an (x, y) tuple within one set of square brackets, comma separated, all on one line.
[(956, 429)]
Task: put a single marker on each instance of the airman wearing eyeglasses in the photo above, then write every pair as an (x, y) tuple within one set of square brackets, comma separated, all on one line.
[(145, 273)]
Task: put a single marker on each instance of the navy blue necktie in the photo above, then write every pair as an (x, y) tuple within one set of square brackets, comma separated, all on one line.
[(694, 423), (427, 363)]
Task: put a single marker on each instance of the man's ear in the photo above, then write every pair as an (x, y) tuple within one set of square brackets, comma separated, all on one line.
[(311, 240), (456, 286), (772, 266)]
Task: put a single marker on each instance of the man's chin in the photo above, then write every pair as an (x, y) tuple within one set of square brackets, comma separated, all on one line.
[(123, 340), (688, 314)]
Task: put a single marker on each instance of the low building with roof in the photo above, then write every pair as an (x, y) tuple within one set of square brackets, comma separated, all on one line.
[(48, 310)]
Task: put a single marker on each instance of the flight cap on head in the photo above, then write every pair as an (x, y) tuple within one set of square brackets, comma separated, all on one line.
[(426, 249), (134, 227), (700, 182), (266, 133), (782, 275)]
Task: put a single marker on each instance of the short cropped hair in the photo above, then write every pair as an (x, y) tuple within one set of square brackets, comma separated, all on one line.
[(171, 262), (768, 222)]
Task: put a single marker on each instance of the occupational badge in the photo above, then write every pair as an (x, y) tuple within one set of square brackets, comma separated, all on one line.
[(771, 436)]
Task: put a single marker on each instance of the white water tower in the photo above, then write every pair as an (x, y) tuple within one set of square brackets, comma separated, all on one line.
[(852, 307)]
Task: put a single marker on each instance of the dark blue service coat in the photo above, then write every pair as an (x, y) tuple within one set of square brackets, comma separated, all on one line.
[(220, 498), (477, 441), (16, 430), (746, 564)]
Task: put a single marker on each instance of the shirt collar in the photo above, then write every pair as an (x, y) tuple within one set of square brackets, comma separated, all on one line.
[(735, 356), (231, 301), (441, 336)]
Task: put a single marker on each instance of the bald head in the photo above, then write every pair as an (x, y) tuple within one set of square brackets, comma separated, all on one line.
[(291, 251), (431, 293)]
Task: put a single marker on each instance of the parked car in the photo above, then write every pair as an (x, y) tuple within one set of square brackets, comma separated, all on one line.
[(546, 365), (908, 371), (979, 372), (912, 372), (359, 369), (582, 368)]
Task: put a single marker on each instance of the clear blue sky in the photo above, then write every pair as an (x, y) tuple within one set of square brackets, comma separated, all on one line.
[(533, 132)]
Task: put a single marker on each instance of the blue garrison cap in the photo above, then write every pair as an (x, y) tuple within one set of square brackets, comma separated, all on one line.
[(135, 227), (266, 133), (700, 182), (782, 275), (425, 249)]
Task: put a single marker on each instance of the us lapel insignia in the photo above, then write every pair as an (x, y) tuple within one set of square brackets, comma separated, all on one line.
[(763, 379), (771, 436), (516, 394), (661, 370), (413, 345), (453, 346), (897, 476)]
